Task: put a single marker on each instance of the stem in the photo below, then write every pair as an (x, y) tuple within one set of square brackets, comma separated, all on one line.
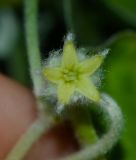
[(86, 135), (115, 120), (31, 11), (67, 7), (82, 125), (28, 139), (44, 122), (84, 129)]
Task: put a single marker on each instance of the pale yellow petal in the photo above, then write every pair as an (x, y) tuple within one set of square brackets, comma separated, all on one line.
[(88, 89), (65, 91), (90, 65), (69, 58), (52, 74)]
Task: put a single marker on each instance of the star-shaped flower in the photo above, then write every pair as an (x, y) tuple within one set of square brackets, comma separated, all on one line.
[(74, 75)]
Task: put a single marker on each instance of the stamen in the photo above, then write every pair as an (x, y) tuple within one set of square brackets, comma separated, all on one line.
[(70, 75)]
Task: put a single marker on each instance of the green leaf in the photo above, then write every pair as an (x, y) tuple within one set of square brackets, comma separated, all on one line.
[(126, 9), (120, 82)]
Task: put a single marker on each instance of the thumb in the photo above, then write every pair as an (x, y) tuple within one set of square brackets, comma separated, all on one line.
[(17, 113)]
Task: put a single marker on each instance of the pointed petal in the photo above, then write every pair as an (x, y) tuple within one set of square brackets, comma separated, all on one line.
[(65, 91), (87, 88), (69, 58), (90, 65), (52, 74)]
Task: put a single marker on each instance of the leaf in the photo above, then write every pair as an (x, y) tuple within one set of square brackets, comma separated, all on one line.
[(120, 82)]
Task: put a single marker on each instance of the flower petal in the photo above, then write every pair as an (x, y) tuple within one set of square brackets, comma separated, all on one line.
[(69, 58), (88, 89), (90, 65), (52, 74), (65, 91)]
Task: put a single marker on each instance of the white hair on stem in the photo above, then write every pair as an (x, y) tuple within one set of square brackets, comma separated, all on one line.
[(114, 117)]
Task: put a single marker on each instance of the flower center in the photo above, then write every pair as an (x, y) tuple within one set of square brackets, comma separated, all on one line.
[(70, 75)]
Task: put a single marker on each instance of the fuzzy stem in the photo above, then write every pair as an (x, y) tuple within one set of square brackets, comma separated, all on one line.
[(31, 11), (115, 120), (28, 139), (44, 122)]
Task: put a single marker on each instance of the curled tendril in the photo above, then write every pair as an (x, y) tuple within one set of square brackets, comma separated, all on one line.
[(114, 118)]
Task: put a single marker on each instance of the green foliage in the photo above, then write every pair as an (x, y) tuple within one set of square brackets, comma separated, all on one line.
[(120, 82)]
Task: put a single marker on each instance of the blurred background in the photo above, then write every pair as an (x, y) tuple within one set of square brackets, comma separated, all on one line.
[(96, 23)]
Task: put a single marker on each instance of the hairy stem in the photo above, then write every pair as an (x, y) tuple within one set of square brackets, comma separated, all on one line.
[(43, 122), (115, 120), (31, 12), (41, 125)]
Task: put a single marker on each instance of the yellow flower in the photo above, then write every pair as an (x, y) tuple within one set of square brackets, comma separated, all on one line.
[(74, 75)]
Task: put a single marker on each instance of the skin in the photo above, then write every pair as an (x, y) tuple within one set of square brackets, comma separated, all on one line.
[(17, 113)]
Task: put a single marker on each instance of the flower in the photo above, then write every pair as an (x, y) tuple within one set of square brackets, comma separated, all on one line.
[(74, 75)]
